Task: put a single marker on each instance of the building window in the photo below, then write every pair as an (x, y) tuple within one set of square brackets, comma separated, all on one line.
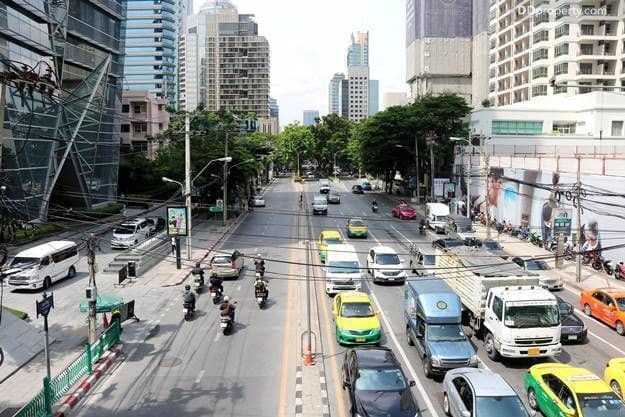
[(160, 126), (562, 30), (617, 128), (141, 127), (562, 49), (125, 128), (541, 18), (560, 69), (125, 108), (517, 127), (138, 108), (161, 107), (559, 89), (584, 90), (539, 90), (588, 30), (585, 68), (539, 72), (563, 128), (541, 53), (540, 36), (586, 49)]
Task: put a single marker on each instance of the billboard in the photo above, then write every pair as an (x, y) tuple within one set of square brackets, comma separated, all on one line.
[(177, 223)]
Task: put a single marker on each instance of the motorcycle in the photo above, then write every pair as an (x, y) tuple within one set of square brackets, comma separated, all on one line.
[(569, 253), (524, 234), (422, 229), (374, 208), (619, 271), (197, 284), (216, 295), (226, 324), (260, 269), (602, 264), (261, 295), (188, 310), (535, 239)]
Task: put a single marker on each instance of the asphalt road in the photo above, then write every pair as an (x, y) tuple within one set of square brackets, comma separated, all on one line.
[(385, 230)]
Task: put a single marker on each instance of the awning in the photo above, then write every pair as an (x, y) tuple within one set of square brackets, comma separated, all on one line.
[(104, 304)]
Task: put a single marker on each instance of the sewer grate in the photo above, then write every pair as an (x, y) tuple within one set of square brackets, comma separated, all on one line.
[(169, 362)]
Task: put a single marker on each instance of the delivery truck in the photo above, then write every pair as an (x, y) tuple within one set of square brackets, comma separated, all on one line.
[(515, 316)]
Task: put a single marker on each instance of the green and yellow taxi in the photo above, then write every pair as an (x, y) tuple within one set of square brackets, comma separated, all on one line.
[(328, 237), (355, 319), (614, 375), (356, 227), (560, 390)]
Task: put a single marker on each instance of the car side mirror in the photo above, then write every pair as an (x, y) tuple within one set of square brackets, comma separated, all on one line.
[(412, 383), (466, 413), (378, 312)]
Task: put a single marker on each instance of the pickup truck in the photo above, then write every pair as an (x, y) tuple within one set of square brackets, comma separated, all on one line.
[(503, 303), (422, 258)]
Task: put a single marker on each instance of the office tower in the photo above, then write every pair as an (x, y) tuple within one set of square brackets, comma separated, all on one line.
[(226, 61), (274, 109), (60, 135), (374, 97), (334, 93), (309, 117)]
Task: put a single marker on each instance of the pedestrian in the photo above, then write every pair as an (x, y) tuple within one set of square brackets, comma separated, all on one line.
[(173, 245)]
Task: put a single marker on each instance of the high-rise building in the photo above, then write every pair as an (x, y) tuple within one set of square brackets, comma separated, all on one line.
[(151, 58), (479, 54), (358, 50), (60, 140), (274, 109), (391, 99), (374, 97), (226, 61), (334, 93), (309, 117), (362, 100), (572, 43), (438, 46)]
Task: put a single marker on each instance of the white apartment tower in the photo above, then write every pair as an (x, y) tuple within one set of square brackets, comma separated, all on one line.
[(534, 42), (226, 62), (358, 76)]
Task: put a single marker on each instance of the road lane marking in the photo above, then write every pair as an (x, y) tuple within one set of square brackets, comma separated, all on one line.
[(199, 377), (402, 353), (217, 336), (582, 314), (375, 238), (401, 234), (239, 287)]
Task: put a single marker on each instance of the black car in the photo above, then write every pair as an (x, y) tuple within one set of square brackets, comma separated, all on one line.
[(531, 264), (357, 189), (157, 223), (447, 243), (377, 385), (494, 247), (573, 328)]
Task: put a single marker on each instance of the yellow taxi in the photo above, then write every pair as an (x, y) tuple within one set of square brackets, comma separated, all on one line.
[(560, 390), (328, 237), (614, 375), (356, 227), (355, 320)]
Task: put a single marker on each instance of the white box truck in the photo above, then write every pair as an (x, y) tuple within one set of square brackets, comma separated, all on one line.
[(342, 269), (502, 303), (436, 216)]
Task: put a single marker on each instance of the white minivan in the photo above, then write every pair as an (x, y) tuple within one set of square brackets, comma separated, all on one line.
[(40, 266), (342, 269)]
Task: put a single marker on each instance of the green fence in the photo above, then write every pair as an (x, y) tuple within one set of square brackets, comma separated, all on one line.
[(53, 390)]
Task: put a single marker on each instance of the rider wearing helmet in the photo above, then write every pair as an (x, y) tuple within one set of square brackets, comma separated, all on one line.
[(260, 265), (198, 271), (188, 297), (226, 308)]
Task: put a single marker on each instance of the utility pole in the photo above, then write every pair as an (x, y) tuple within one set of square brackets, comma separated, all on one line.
[(187, 175), (578, 187), (93, 330), (226, 182), (431, 141), (416, 163), (484, 149), (468, 179)]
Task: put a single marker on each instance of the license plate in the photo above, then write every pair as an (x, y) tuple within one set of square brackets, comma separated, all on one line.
[(213, 294), (391, 279), (533, 351), (259, 299), (184, 310), (224, 325), (360, 339), (572, 337)]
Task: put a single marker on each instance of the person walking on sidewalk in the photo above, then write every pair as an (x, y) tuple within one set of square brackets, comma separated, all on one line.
[(173, 245)]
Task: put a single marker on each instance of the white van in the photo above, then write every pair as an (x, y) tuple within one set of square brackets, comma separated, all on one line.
[(342, 269), (42, 265), (436, 216), (324, 186)]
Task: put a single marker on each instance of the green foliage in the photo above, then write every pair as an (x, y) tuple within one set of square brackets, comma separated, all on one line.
[(295, 140), (331, 138)]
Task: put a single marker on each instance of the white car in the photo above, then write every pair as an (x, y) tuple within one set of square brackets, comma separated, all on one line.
[(259, 201), (131, 233), (384, 265)]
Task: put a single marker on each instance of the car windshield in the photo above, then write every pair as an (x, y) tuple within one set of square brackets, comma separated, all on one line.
[(605, 404), (360, 309), (621, 303), (124, 230), (429, 259), (344, 267), (440, 218), (525, 315), (508, 406), (453, 243), (464, 227), (387, 259), (356, 187), (320, 200), (332, 241), (21, 262), (444, 333), (565, 308), (380, 379), (221, 260), (534, 265), (356, 223), (491, 245)]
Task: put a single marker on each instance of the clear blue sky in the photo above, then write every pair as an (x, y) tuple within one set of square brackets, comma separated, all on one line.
[(309, 39)]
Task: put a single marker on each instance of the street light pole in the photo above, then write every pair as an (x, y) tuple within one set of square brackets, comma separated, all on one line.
[(225, 198), (416, 164), (187, 171)]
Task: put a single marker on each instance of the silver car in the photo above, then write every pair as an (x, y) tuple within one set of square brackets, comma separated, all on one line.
[(477, 392)]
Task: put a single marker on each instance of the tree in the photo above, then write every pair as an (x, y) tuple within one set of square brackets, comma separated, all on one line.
[(331, 136), (294, 144)]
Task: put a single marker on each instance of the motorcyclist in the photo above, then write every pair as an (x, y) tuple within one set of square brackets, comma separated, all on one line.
[(422, 225), (261, 288), (259, 262), (227, 308), (188, 297), (216, 283), (374, 205), (198, 271)]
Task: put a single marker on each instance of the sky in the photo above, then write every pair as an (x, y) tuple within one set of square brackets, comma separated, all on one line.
[(309, 40)]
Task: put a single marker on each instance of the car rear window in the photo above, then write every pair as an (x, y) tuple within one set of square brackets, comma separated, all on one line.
[(356, 223), (124, 230), (221, 260)]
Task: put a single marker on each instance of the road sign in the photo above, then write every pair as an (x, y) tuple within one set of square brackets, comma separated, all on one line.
[(215, 209), (562, 222), (220, 204), (44, 306)]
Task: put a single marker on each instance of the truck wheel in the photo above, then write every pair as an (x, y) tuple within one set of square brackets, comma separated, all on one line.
[(531, 399), (408, 338), (489, 345)]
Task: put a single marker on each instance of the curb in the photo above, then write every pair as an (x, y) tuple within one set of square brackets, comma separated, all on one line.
[(87, 384)]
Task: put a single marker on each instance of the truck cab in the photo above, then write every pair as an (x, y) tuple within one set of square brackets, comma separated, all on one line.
[(436, 216), (521, 322), (433, 314), (461, 228), (324, 186)]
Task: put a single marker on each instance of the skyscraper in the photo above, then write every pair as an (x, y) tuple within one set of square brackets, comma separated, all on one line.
[(358, 76), (60, 141), (309, 117), (334, 93), (151, 59), (274, 109), (226, 61), (374, 97)]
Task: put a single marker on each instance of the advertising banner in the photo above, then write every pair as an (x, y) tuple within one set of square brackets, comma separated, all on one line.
[(177, 221)]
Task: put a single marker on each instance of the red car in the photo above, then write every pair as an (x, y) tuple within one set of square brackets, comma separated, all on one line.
[(404, 211)]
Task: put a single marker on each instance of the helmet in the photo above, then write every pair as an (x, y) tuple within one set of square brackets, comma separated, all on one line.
[(259, 255), (197, 265), (226, 298), (187, 287)]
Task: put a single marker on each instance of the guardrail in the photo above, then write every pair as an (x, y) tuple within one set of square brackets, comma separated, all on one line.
[(54, 389)]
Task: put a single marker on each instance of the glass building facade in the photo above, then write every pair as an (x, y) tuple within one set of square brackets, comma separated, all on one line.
[(151, 59), (60, 138)]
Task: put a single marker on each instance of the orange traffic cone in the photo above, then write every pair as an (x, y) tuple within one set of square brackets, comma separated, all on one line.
[(105, 321)]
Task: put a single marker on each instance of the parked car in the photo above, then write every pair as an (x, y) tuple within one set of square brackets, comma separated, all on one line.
[(227, 266), (259, 201), (130, 233), (447, 243), (404, 211), (557, 389), (334, 198), (366, 186), (478, 392), (357, 189), (607, 305), (614, 375), (376, 384), (384, 264), (573, 328), (355, 319), (157, 223), (495, 248), (356, 227)]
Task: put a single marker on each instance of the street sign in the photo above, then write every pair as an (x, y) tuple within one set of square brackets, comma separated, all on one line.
[(562, 222), (215, 209), (220, 204), (44, 306)]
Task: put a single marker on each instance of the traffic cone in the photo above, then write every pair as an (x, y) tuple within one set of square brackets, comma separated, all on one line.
[(309, 361), (105, 321)]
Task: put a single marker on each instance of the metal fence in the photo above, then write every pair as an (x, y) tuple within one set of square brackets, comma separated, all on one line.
[(53, 390)]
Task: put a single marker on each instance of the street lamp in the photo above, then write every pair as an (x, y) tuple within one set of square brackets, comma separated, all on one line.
[(226, 159), (467, 174), (416, 163)]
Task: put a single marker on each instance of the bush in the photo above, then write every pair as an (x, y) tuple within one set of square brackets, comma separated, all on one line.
[(297, 178), (17, 313), (98, 213), (39, 231)]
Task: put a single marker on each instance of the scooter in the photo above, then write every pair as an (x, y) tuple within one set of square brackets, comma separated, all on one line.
[(261, 296), (535, 239), (524, 234), (602, 264), (422, 229), (619, 271), (569, 253), (216, 295), (197, 284), (188, 310), (374, 208), (226, 324)]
